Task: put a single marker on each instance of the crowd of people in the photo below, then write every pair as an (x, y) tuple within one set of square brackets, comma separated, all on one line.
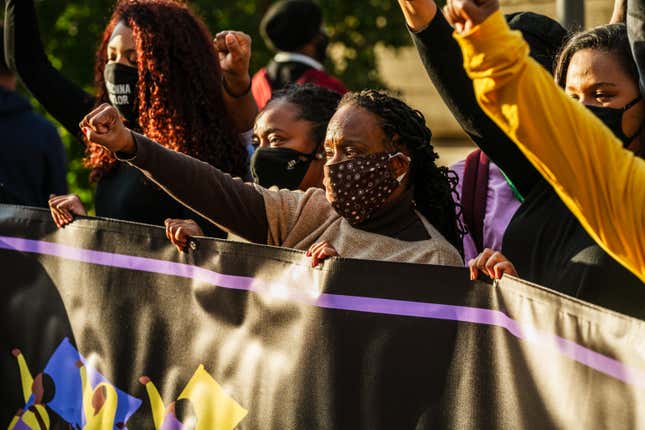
[(173, 137)]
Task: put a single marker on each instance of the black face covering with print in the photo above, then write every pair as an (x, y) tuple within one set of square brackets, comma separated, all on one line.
[(283, 167), (121, 85), (361, 185), (613, 119)]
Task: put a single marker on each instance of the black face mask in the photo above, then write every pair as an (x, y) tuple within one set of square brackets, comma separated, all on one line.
[(121, 85), (283, 167), (613, 119)]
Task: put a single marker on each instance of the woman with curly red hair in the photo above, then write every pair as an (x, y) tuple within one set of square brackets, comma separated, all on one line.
[(157, 64)]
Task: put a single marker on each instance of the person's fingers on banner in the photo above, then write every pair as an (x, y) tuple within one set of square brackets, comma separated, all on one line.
[(504, 267), (180, 231), (56, 215), (474, 273), (478, 264), (498, 264), (492, 263), (320, 251), (64, 207), (167, 222), (173, 234), (60, 219)]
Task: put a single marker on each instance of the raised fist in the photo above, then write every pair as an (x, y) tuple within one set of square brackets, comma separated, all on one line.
[(464, 15), (104, 126)]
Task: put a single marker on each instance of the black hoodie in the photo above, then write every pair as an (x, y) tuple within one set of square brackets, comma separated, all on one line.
[(32, 157)]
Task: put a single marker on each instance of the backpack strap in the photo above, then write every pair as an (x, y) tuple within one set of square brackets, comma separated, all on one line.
[(474, 194)]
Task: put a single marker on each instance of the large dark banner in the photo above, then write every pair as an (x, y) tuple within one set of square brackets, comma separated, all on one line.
[(105, 325)]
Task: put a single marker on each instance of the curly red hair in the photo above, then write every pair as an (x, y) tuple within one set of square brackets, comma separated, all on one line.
[(180, 101)]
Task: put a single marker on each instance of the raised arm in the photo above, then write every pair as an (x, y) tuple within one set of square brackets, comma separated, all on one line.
[(234, 51), (619, 14), (443, 62), (598, 180), (231, 204), (24, 51)]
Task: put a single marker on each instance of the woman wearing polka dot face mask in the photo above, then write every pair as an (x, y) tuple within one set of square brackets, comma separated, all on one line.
[(359, 187), (367, 174), (384, 197)]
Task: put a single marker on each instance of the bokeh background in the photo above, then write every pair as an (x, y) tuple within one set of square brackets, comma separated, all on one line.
[(370, 49)]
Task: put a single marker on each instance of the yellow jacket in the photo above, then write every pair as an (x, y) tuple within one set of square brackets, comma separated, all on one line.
[(599, 181)]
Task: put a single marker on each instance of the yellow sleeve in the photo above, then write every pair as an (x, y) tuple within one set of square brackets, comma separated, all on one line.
[(25, 377), (598, 180), (156, 404), (87, 395)]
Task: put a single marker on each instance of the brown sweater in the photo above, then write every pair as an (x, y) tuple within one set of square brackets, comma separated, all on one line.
[(291, 219)]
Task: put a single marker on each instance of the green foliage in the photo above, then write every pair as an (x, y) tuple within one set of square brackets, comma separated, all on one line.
[(71, 30)]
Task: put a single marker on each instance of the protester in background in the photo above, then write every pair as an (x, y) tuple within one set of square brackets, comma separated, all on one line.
[(544, 241), (32, 157), (157, 65), (293, 28), (488, 198), (288, 135), (383, 191), (596, 169)]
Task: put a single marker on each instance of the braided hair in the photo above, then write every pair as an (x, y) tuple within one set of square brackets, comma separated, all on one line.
[(315, 104), (434, 186)]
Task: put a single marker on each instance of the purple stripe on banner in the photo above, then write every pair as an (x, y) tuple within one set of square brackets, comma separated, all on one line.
[(577, 352)]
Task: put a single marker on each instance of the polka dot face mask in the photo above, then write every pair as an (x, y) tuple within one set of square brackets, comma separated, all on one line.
[(361, 185)]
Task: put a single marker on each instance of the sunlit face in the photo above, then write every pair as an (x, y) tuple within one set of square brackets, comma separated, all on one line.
[(352, 132), (121, 48), (596, 78), (278, 126)]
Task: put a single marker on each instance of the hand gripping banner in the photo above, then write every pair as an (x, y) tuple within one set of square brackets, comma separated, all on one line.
[(106, 326)]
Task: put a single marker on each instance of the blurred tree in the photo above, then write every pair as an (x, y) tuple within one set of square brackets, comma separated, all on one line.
[(71, 30)]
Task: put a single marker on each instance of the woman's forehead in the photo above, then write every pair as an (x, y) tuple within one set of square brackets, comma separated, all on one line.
[(275, 114), (352, 121), (122, 36), (591, 66)]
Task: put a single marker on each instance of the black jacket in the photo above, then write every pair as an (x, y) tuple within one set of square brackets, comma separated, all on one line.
[(32, 157)]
